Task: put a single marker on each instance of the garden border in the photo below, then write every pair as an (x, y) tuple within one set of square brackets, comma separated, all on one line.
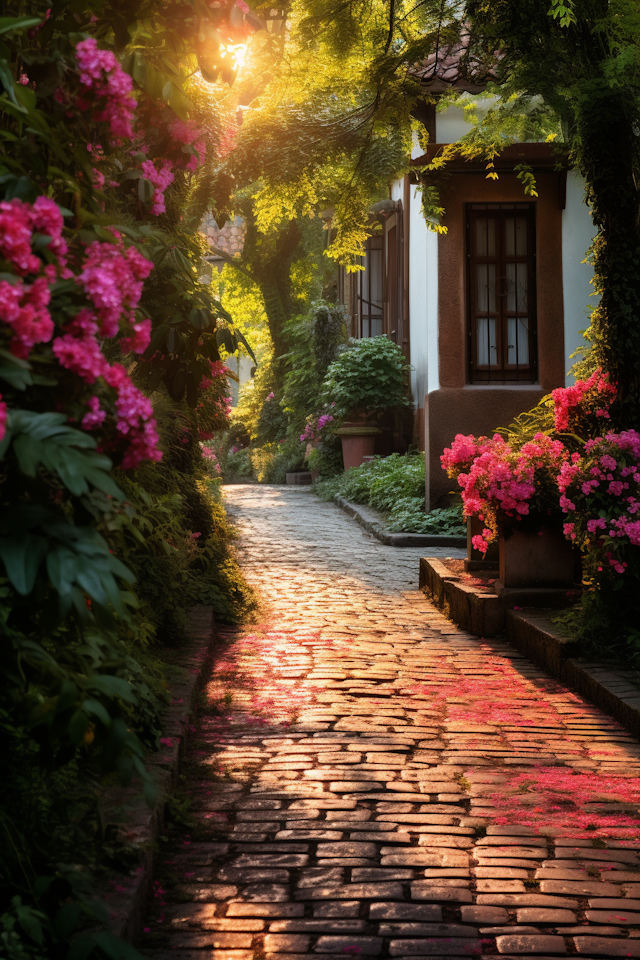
[(373, 522), (125, 810), (532, 633)]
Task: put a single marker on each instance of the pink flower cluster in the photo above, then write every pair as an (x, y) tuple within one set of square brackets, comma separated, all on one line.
[(160, 179), (218, 369), (187, 133), (102, 79), (135, 419), (113, 278), (586, 398), (212, 461), (498, 483), (313, 430), (139, 342), (600, 491), (24, 309), (18, 222)]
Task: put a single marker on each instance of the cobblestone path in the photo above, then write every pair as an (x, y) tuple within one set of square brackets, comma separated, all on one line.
[(368, 779)]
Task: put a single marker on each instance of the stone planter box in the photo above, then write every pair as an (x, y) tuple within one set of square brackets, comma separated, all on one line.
[(540, 559), (302, 477), (358, 442), (475, 559)]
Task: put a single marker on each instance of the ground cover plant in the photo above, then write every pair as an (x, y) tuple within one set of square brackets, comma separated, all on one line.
[(395, 485)]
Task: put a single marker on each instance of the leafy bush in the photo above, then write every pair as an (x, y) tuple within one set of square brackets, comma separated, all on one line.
[(371, 375), (238, 464), (395, 485)]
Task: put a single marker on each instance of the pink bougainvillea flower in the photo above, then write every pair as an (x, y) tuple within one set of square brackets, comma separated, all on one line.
[(104, 84), (113, 278), (139, 342), (160, 179)]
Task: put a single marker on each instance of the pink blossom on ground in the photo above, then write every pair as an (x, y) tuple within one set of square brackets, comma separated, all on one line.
[(104, 83), (139, 342), (160, 179)]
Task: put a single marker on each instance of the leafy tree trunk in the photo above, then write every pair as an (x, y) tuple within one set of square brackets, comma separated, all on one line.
[(608, 159), (267, 259)]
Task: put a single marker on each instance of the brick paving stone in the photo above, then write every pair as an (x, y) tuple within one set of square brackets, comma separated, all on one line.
[(546, 916), (347, 793), (434, 947), (607, 947), (371, 946), (528, 943)]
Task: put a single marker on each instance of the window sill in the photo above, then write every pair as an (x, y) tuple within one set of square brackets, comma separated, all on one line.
[(503, 386)]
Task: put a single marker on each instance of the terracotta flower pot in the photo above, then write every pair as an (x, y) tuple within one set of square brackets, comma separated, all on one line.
[(542, 558), (358, 442)]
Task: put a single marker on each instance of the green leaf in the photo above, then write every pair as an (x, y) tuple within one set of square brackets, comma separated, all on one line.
[(15, 371), (145, 190), (67, 919), (22, 555), (6, 78), (113, 687), (96, 709), (7, 24), (28, 920), (78, 726)]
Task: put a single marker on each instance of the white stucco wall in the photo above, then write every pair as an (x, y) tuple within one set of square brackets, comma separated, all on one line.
[(577, 234), (423, 302), (423, 296)]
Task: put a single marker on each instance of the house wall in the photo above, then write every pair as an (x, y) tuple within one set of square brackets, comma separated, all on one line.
[(457, 406), (577, 233)]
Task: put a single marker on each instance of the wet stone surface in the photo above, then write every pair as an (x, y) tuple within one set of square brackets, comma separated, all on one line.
[(366, 779)]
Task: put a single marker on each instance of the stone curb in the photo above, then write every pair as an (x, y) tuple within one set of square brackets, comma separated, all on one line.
[(126, 817), (539, 639), (533, 634), (372, 521)]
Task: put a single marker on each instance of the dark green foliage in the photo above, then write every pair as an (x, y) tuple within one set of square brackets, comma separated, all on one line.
[(371, 375), (395, 485), (329, 333), (272, 423)]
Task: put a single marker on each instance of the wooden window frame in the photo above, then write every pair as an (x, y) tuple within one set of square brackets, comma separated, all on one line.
[(503, 372)]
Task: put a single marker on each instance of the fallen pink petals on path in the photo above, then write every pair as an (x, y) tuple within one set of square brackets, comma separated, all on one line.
[(368, 780)]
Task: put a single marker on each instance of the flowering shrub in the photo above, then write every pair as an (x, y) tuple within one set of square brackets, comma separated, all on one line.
[(76, 295), (600, 493), (578, 408), (106, 88), (501, 485), (314, 427)]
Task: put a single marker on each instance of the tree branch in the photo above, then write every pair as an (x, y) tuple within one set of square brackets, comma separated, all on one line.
[(233, 262)]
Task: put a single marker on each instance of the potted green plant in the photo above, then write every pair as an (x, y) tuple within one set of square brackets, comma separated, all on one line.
[(369, 378)]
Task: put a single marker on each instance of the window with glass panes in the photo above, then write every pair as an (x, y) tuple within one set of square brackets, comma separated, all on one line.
[(369, 306), (501, 292)]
